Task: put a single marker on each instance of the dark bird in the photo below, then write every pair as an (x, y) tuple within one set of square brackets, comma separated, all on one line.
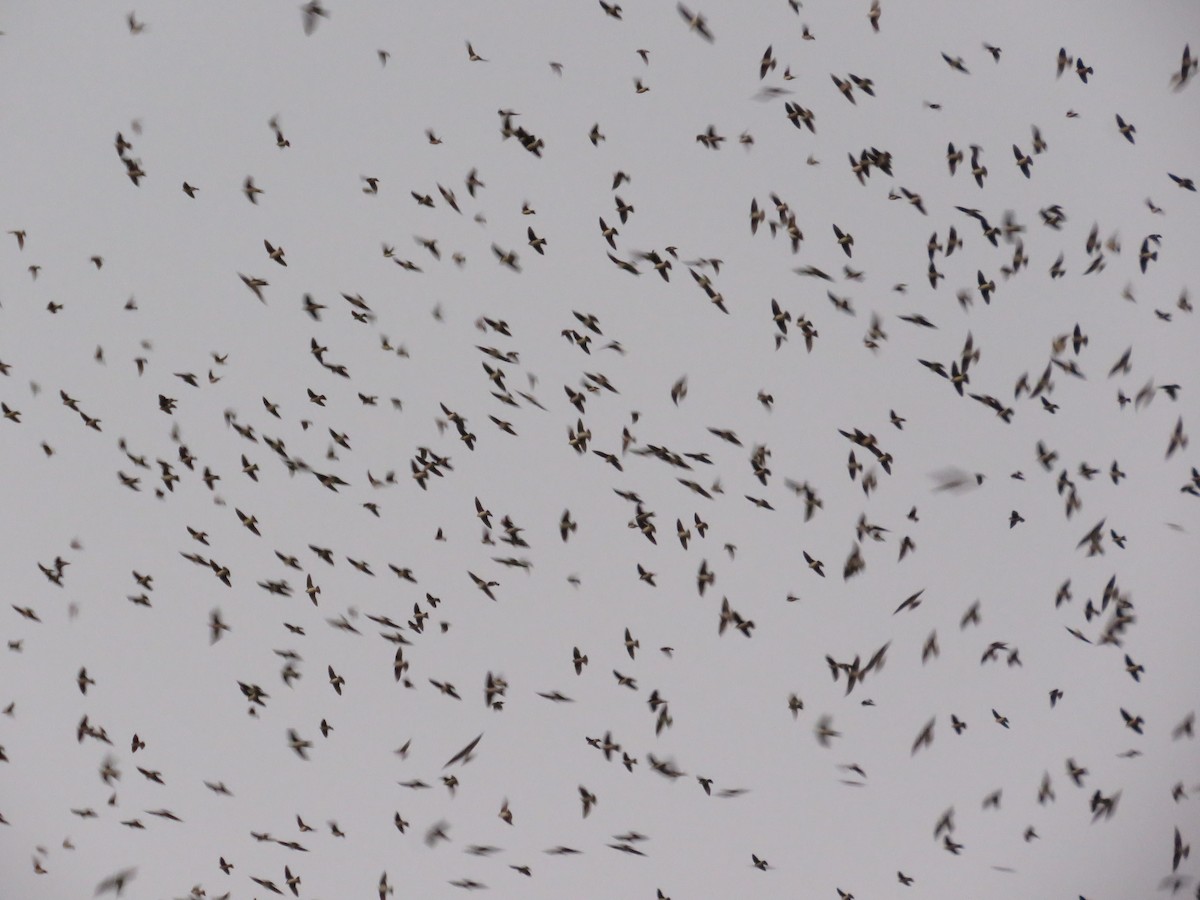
[(117, 882), (1024, 163), (1127, 130), (313, 12), (1134, 723), (464, 755), (696, 22), (955, 63), (925, 737), (298, 744), (1180, 851)]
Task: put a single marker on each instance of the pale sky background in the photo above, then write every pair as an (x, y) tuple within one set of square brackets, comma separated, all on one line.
[(203, 80)]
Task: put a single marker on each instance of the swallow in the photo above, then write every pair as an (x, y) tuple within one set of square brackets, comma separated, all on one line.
[(1134, 723), (710, 139), (1146, 255), (117, 882), (588, 800), (313, 12), (867, 86), (537, 243), (1135, 670), (625, 680), (954, 157), (1187, 68), (216, 626), (1178, 440), (824, 730), (250, 190), (696, 22), (255, 284), (275, 253), (1024, 163), (986, 287), (1127, 130), (767, 64), (464, 755), (925, 737), (298, 744), (955, 63), (1180, 851), (846, 88), (911, 602), (844, 240), (624, 265), (914, 200), (267, 884), (446, 688), (250, 522), (566, 525), (631, 644)]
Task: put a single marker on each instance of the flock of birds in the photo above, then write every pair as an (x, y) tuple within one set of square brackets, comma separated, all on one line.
[(229, 485)]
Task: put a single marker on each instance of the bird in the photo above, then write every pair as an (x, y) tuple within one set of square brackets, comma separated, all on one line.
[(117, 882), (955, 63), (696, 22), (844, 240), (250, 190), (298, 744), (1180, 851), (313, 11), (464, 755), (275, 253), (824, 731), (1024, 162), (1127, 130), (631, 644), (1134, 723), (925, 737), (587, 799)]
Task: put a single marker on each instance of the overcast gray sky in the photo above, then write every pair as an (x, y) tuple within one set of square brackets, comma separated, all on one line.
[(191, 88)]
